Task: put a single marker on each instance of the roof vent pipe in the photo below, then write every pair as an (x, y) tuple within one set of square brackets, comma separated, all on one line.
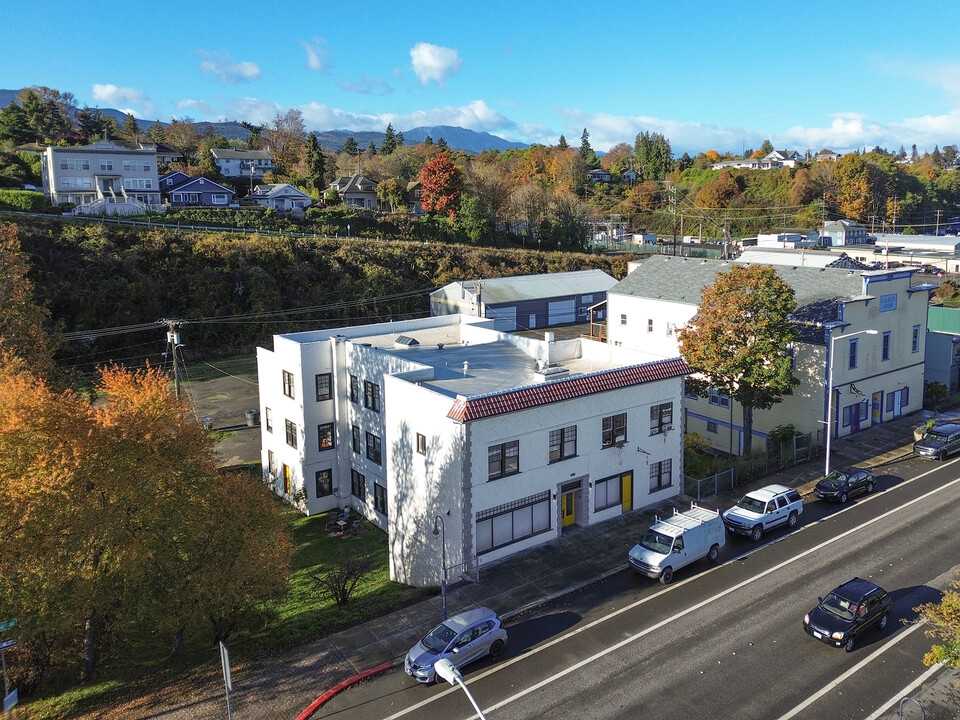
[(466, 366)]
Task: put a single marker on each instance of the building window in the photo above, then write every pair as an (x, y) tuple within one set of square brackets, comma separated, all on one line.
[(513, 521), (614, 430), (650, 325), (371, 396), (886, 346), (373, 448), (380, 498), (421, 444), (563, 443), (291, 433), (271, 464), (623, 319), (286, 479), (106, 164), (325, 435), (718, 398), (852, 359), (268, 419), (354, 389), (661, 418), (288, 384), (606, 493), (324, 483), (904, 395), (323, 386), (356, 439), (915, 341), (661, 475), (711, 426), (503, 459), (358, 485)]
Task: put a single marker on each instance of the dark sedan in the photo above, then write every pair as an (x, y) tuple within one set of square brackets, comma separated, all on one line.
[(840, 486), (848, 612)]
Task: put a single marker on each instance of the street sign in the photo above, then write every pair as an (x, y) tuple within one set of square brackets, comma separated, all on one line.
[(10, 700), (4, 644), (7, 624), (225, 661)]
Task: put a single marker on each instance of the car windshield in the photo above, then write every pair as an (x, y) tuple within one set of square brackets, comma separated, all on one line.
[(835, 478), (438, 638), (657, 542), (839, 606), (936, 436), (752, 504)]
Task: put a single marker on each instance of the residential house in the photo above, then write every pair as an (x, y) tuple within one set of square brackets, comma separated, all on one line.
[(599, 176), (413, 196), (280, 196), (826, 155), (357, 191), (525, 302), (862, 329), (103, 178), (196, 191), (252, 164), (838, 233), (781, 158), (629, 175), (511, 441), (167, 154)]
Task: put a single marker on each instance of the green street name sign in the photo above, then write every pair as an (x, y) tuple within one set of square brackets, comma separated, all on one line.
[(7, 624)]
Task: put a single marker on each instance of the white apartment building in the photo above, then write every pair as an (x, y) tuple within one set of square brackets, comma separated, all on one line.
[(508, 440), (103, 178), (866, 327), (243, 163)]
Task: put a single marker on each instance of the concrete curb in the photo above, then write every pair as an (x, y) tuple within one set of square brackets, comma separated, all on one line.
[(340, 687)]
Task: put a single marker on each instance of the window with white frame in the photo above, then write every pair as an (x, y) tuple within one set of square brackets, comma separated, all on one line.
[(661, 475), (503, 459), (711, 426), (915, 339), (288, 386), (371, 396), (613, 429), (421, 444), (563, 443), (291, 432), (374, 450), (323, 382), (661, 418), (268, 419), (607, 493), (852, 354), (106, 164), (718, 398), (512, 522), (354, 389)]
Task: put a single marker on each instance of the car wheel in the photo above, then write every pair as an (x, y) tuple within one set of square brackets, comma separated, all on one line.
[(843, 498), (714, 553), (850, 645), (666, 576), (497, 648), (792, 520), (756, 533), (869, 488), (942, 455), (884, 619)]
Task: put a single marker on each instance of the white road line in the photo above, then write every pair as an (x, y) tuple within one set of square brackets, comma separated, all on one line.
[(852, 671), (646, 631), (908, 689)]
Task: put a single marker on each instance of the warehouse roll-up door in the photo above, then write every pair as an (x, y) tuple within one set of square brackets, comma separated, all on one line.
[(561, 311), (504, 318)]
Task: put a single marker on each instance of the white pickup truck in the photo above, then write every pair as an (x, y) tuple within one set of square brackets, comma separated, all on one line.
[(677, 541)]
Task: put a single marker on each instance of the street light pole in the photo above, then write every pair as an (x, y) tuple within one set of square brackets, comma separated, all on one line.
[(829, 425), (448, 671), (440, 531)]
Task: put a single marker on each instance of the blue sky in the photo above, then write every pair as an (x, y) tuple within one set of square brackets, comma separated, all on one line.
[(720, 75)]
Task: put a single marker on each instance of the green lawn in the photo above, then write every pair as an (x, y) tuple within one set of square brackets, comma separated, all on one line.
[(145, 667)]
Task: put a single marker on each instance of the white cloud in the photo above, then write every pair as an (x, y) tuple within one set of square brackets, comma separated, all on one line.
[(116, 97), (226, 68), (253, 110), (316, 49), (367, 86), (432, 63), (473, 116), (201, 105)]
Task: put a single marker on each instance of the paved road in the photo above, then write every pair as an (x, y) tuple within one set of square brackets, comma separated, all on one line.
[(723, 641)]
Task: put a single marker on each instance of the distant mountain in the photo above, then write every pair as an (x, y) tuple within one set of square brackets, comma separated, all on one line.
[(457, 138)]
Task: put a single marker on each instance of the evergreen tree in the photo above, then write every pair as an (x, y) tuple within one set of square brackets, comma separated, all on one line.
[(653, 156), (155, 133), (371, 148), (562, 144), (316, 163), (399, 139), (389, 141), (130, 129), (442, 145), (586, 153), (428, 140), (350, 146)]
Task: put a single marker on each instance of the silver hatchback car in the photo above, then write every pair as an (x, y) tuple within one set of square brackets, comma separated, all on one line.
[(461, 639)]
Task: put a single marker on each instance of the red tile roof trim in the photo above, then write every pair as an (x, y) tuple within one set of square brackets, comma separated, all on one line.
[(483, 406)]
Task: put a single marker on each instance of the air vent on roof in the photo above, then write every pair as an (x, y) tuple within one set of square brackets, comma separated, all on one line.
[(551, 373), (405, 341)]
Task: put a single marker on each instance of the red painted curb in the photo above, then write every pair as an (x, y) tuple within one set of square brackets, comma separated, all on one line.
[(316, 704)]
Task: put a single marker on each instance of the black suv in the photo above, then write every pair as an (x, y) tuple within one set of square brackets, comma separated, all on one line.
[(848, 612), (841, 485)]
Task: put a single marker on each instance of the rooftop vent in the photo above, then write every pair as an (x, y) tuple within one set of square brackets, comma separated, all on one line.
[(405, 341)]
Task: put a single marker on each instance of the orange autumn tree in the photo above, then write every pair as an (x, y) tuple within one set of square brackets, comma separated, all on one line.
[(441, 184), (108, 518)]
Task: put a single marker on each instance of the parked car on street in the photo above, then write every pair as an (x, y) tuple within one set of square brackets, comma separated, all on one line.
[(461, 639), (763, 509), (939, 442), (839, 485), (675, 542), (848, 612)]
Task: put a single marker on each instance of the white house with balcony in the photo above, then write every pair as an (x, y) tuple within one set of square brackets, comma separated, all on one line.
[(103, 178), (243, 163), (877, 368), (509, 440)]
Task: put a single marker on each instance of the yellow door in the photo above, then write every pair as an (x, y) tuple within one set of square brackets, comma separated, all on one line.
[(569, 510), (626, 491)]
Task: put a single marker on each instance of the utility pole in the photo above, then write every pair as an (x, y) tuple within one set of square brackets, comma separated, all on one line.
[(173, 342), (673, 204), (937, 230)]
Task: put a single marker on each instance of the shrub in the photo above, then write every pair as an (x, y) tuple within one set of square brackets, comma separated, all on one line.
[(26, 200)]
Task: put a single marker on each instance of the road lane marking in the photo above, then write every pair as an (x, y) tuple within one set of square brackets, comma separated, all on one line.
[(852, 671), (908, 689), (646, 631)]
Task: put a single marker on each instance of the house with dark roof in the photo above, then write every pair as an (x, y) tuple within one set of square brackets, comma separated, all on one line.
[(860, 331), (512, 440), (280, 196), (357, 191), (181, 190)]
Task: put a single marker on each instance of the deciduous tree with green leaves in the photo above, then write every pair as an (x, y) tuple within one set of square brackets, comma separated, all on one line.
[(738, 342), (944, 621)]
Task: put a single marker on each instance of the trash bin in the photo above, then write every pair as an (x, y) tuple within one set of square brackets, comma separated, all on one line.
[(208, 423), (253, 418)]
